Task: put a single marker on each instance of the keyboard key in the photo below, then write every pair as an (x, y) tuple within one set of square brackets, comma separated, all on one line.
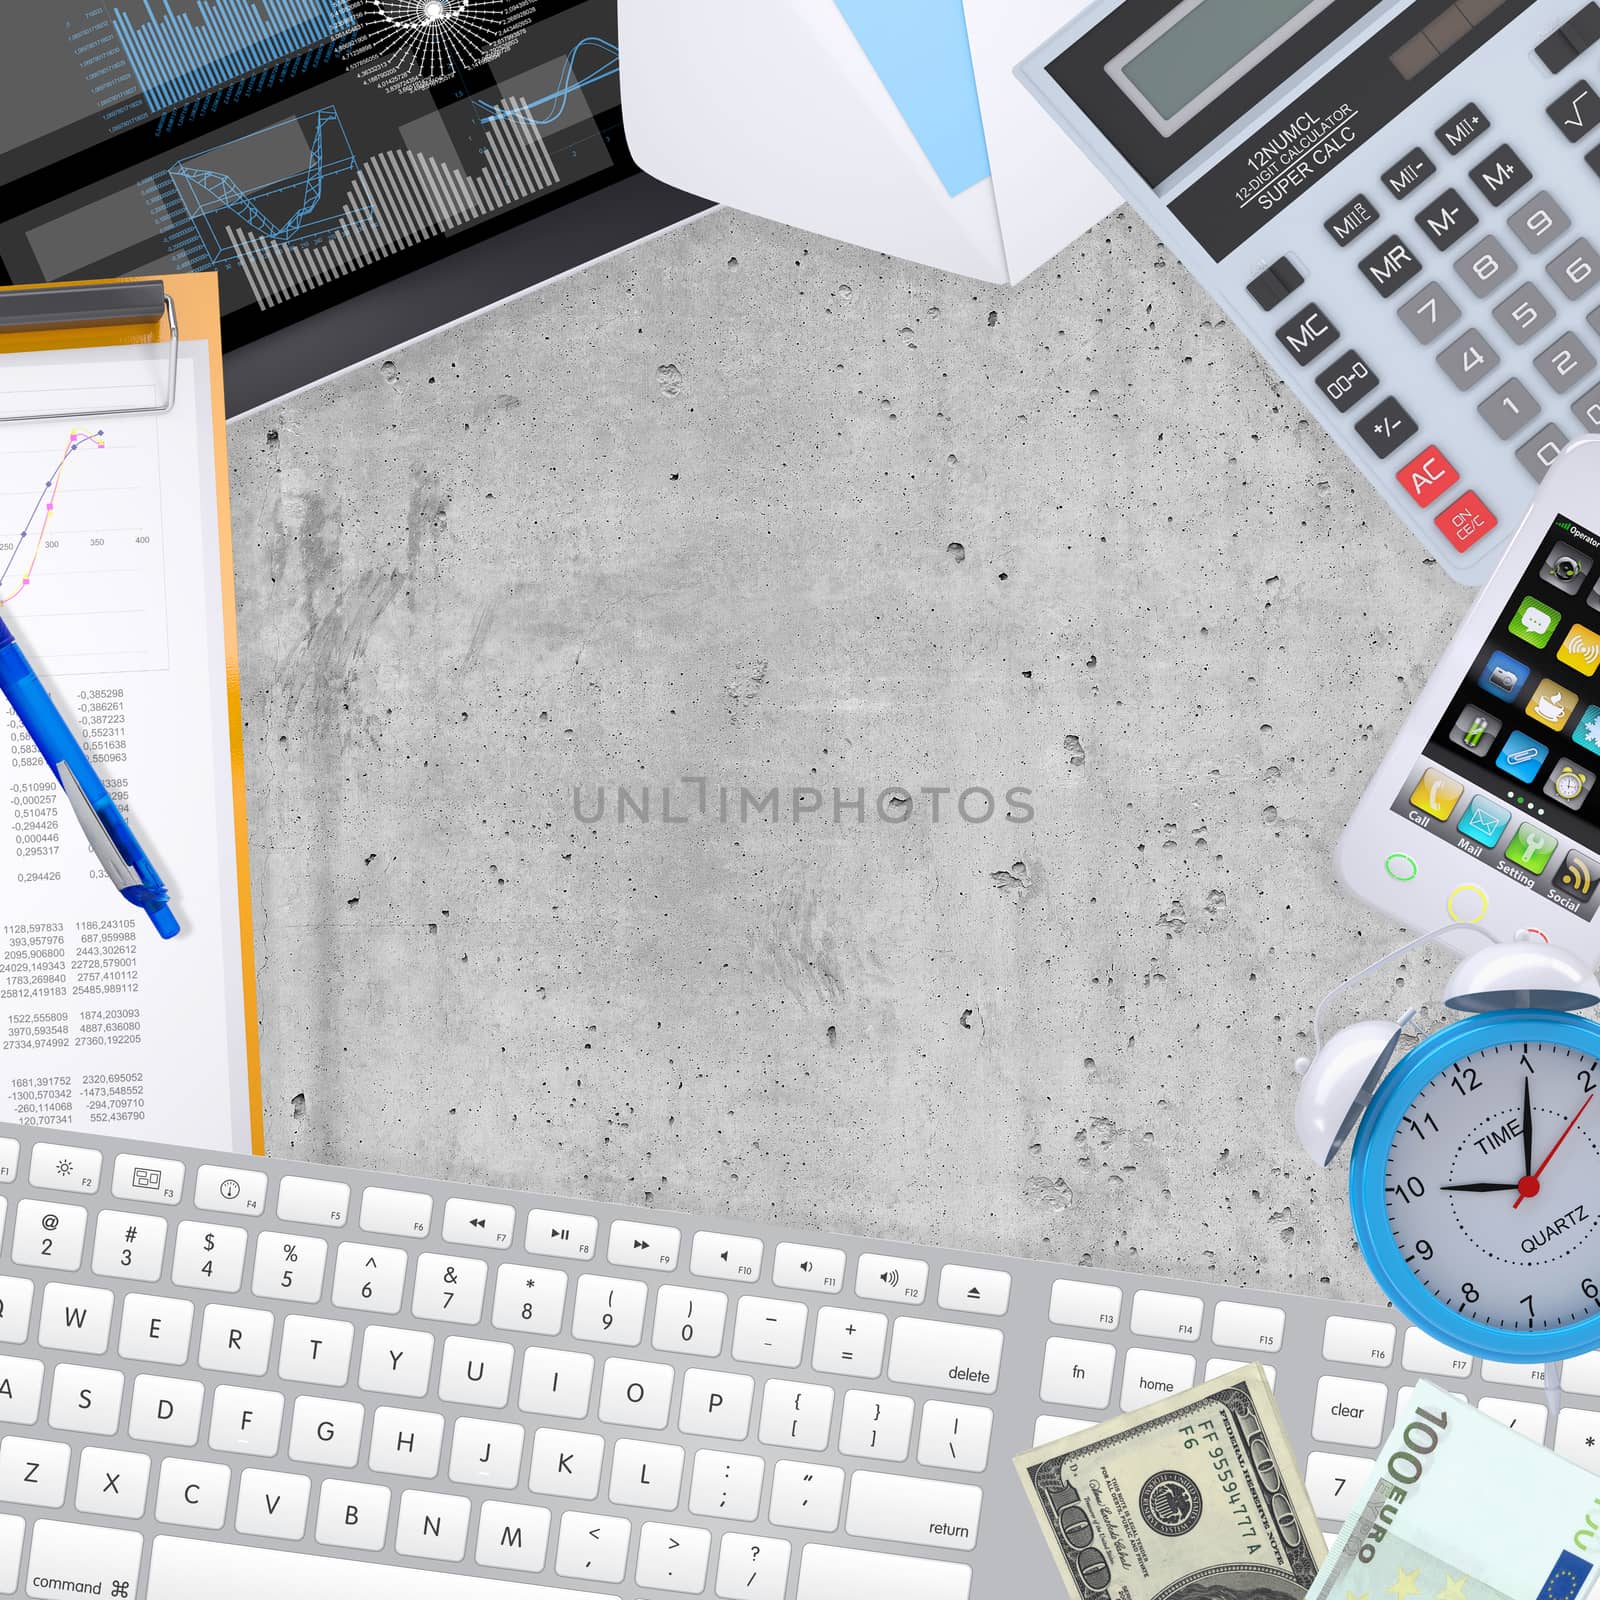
[(1307, 334), (748, 1568), (592, 1547), (1573, 269), (85, 1399), (1578, 1437), (1149, 1375), (726, 1255), (770, 1333), (319, 1201), (129, 1245), (512, 1537), (155, 1181), (1085, 1305), (369, 1277), (1575, 111), (1519, 1415), (16, 1309), (1048, 1429), (561, 1233), (529, 1299), (240, 1190), (72, 1168), (21, 1386), (10, 1155), (1218, 1366), (891, 1278), (354, 1515), (636, 1394), (1348, 381), (796, 1416), (877, 1426), (1421, 1352), (954, 1437), (12, 1530), (289, 1266), (396, 1211), (245, 1421), (432, 1527), (726, 1485), (646, 1474), (975, 1289), (830, 1573), (1586, 408), (1515, 1373), (690, 1321), (644, 1245), (194, 1494), (1428, 313), (272, 1505), (451, 1288), (800, 1266), (209, 1256), (850, 1342), (557, 1383), (33, 1472), (945, 1355), (1500, 175), (1349, 1411), (609, 1310), (1358, 1342), (166, 1410), (1523, 313), (486, 1454), (48, 1235), (1581, 1374), (1391, 266), (806, 1495), (1539, 453), (1564, 363), (1335, 1483), (1446, 219), (75, 1317), (913, 1510), (1351, 220), (1465, 521), (673, 1558), (1271, 287), (1077, 1372), (406, 1443), (1466, 361), (326, 1432), (396, 1361), (72, 1558), (112, 1483), (1414, 168), (156, 1329), (716, 1405), (1247, 1327), (317, 1350), (1166, 1316)]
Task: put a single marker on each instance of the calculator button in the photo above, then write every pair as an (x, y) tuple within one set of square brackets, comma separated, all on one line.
[(1465, 521), (1386, 427), (1271, 288), (1509, 409), (1391, 266), (1412, 169), (1586, 408), (1307, 335), (1540, 221), (1575, 112), (1347, 381), (1468, 360), (1564, 363), (1446, 219), (1429, 312), (1573, 270), (1583, 27), (1567, 43), (1540, 451), (1351, 220), (1486, 266), (1523, 313), (1465, 126), (1427, 476), (1499, 175), (1593, 158)]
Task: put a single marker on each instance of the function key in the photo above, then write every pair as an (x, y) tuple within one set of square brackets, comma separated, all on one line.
[(10, 1155), (975, 1289), (240, 1190), (1386, 427), (1499, 175), (1074, 1304), (643, 1244), (318, 1201), (561, 1233), (493, 1226), (1351, 220), (1166, 1316), (1358, 1342), (1575, 111), (1561, 48), (1348, 381), (1246, 1327), (70, 1167), (1411, 169), (1444, 221), (726, 1255), (1306, 335), (801, 1266), (1272, 287), (153, 1179), (891, 1278), (396, 1211), (1391, 266), (1427, 476), (1423, 1353), (1539, 222), (1465, 126)]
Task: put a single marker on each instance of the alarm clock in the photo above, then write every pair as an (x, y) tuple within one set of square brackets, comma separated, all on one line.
[(1475, 1170)]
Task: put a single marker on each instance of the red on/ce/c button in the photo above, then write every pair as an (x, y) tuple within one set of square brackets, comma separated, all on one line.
[(1427, 476), (1465, 521)]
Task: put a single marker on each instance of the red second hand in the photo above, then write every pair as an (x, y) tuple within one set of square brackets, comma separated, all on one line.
[(1528, 1187)]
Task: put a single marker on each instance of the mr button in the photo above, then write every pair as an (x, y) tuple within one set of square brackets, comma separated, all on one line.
[(1427, 476)]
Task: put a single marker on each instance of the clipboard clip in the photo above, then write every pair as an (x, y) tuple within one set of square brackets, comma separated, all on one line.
[(79, 308)]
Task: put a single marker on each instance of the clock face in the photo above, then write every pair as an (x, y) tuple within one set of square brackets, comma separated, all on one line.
[(1492, 1187)]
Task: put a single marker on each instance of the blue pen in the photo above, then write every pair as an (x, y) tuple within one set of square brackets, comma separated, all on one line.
[(110, 837)]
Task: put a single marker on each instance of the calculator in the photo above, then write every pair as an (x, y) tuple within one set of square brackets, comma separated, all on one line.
[(1398, 202)]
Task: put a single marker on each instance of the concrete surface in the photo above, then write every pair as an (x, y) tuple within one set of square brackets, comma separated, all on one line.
[(749, 507)]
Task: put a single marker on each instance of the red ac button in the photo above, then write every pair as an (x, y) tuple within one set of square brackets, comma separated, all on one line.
[(1428, 476), (1465, 521)]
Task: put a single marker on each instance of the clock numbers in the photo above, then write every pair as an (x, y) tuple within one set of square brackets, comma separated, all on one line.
[(1408, 1189), (1527, 1300), (1586, 1078), (1464, 1080), (1469, 1293), (1424, 1249), (1416, 1127), (1591, 1289)]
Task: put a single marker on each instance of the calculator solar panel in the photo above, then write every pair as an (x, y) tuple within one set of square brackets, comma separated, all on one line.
[(1399, 203)]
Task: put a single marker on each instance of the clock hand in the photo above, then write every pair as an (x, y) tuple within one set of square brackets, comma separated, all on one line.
[(1527, 1129), (1530, 1185), (1479, 1188)]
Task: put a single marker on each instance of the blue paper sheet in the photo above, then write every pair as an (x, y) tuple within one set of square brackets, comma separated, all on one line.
[(919, 50)]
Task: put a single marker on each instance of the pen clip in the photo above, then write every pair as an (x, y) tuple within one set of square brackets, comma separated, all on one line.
[(104, 846)]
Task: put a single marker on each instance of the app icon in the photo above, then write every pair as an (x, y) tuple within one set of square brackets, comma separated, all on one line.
[(1483, 820), (1535, 622), (1587, 732), (1577, 875), (1551, 704), (1503, 676), (1569, 783), (1580, 649), (1522, 757), (1475, 730), (1436, 794), (1531, 849), (1566, 568)]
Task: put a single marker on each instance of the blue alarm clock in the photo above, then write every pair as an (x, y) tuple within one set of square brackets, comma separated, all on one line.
[(1475, 1172)]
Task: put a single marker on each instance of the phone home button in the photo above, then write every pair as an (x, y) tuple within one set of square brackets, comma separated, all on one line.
[(1400, 867), (1467, 903)]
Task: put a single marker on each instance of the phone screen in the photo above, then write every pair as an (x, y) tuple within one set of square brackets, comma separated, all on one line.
[(1510, 774)]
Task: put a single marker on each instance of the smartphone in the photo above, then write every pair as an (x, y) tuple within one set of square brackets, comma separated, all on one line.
[(1486, 810)]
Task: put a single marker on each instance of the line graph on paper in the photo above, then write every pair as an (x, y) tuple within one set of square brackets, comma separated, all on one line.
[(81, 559)]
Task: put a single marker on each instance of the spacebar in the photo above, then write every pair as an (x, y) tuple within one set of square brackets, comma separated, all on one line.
[(180, 1569), (829, 1573)]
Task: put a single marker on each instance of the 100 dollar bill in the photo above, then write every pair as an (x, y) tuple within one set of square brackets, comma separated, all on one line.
[(1197, 1494)]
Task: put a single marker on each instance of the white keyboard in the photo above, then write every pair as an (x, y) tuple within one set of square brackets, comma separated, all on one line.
[(229, 1376)]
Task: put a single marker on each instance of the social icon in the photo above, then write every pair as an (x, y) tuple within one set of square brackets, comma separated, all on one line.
[(1436, 794), (1552, 705), (1580, 650), (1531, 849), (1569, 783), (1577, 875), (1475, 730), (1535, 622), (1522, 757), (1483, 820), (1566, 567), (1503, 676)]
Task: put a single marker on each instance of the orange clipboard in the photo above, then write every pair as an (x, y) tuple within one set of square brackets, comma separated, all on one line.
[(68, 316)]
